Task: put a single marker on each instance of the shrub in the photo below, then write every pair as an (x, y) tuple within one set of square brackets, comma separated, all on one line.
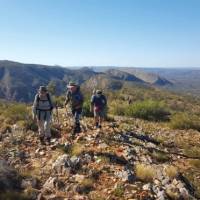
[(119, 191), (148, 110), (16, 112), (86, 109), (118, 108), (59, 100), (185, 121)]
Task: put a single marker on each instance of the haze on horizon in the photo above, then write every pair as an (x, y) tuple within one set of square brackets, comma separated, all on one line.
[(139, 33)]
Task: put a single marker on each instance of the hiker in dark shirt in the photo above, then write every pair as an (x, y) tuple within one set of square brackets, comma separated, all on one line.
[(75, 98), (98, 106), (42, 111)]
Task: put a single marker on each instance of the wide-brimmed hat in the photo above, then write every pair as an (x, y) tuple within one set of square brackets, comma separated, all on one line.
[(71, 84), (98, 91), (42, 89)]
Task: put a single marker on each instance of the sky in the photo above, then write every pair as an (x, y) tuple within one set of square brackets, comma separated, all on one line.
[(139, 33)]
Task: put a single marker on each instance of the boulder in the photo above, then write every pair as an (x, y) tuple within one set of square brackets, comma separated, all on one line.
[(9, 178)]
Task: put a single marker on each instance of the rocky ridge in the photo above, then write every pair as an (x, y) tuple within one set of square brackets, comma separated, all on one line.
[(114, 163)]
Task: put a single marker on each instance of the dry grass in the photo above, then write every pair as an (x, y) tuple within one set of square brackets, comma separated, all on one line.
[(77, 149), (171, 171), (86, 186), (193, 152), (160, 156), (195, 163), (145, 173), (173, 194)]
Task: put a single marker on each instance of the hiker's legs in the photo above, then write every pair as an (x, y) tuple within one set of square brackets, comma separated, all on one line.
[(77, 119), (47, 129), (77, 115), (96, 121), (96, 118), (41, 128), (101, 117)]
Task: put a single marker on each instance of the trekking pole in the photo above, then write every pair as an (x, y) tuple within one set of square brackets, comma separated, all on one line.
[(57, 114)]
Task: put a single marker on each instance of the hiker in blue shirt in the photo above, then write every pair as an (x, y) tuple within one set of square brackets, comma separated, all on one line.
[(75, 98), (98, 106)]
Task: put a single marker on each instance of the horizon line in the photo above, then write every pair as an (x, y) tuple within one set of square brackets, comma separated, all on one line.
[(103, 66)]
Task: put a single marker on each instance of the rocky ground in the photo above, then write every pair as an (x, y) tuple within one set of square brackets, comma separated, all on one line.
[(127, 159)]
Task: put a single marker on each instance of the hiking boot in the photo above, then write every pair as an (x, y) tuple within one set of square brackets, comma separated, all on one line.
[(73, 135), (42, 140), (48, 140), (100, 126), (78, 129)]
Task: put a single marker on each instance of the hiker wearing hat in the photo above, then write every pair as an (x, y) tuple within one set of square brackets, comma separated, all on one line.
[(42, 111), (98, 106), (75, 98)]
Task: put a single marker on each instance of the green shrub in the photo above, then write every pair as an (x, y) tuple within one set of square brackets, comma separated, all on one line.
[(16, 112), (185, 121), (118, 108), (86, 109), (59, 100), (148, 110), (119, 191)]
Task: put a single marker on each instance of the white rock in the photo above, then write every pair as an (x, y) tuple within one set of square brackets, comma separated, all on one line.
[(184, 193), (161, 195), (147, 186), (50, 183), (59, 164), (41, 153), (79, 178)]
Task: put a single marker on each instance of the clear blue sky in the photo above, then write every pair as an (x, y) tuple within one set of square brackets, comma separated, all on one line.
[(141, 33)]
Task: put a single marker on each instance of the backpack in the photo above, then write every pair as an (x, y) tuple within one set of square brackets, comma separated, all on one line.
[(99, 102), (76, 98), (48, 99)]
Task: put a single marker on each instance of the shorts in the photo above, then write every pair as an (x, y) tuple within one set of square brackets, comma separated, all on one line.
[(100, 113)]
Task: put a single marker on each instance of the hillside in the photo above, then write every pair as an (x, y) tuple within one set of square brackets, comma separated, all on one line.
[(19, 82), (186, 80), (140, 73)]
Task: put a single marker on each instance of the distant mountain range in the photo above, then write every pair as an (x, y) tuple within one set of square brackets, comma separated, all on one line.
[(19, 82)]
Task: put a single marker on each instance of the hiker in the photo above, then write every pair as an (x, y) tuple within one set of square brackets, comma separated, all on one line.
[(75, 98), (42, 111), (98, 107)]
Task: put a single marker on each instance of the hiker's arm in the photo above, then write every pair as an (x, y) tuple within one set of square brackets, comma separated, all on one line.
[(105, 101), (53, 105), (92, 104)]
